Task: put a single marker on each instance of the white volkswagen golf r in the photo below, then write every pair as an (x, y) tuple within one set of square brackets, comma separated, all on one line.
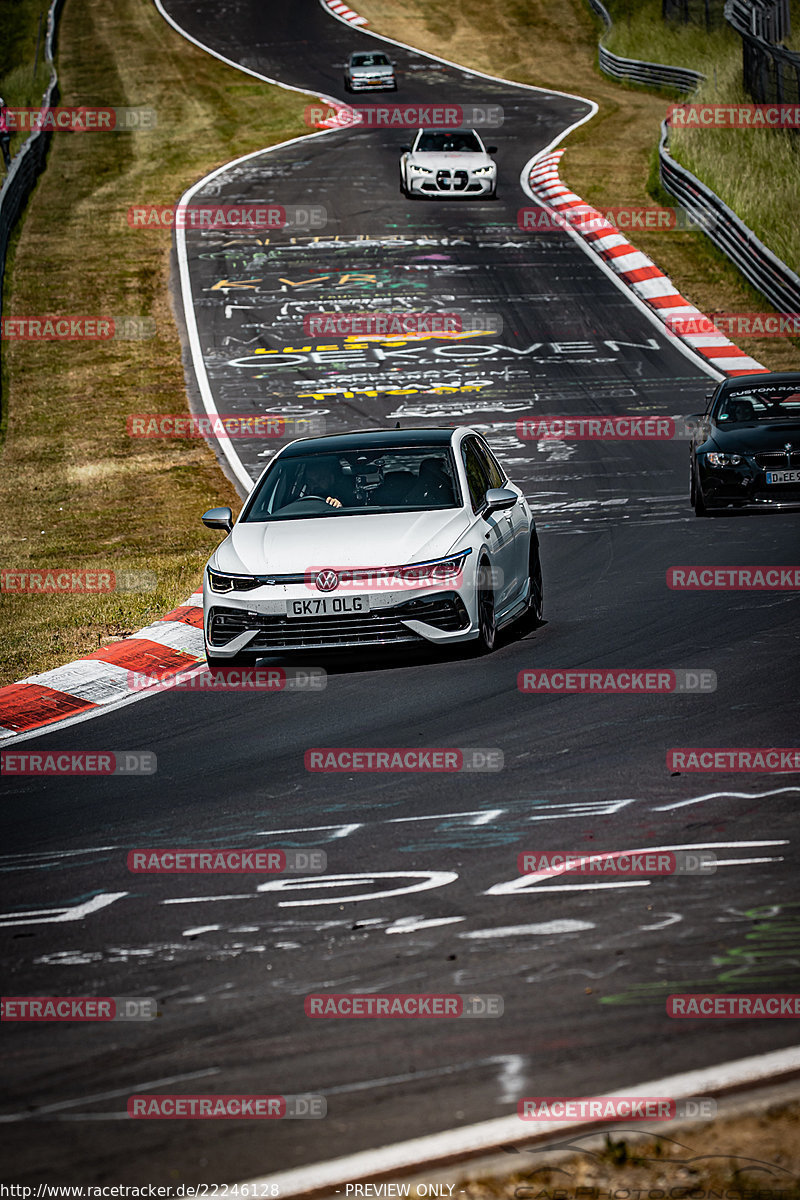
[(376, 538)]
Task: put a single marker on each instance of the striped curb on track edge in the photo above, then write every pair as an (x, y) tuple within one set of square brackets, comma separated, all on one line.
[(636, 270), (168, 647), (344, 13)]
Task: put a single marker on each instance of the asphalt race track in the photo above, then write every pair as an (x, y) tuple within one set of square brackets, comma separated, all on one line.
[(584, 971)]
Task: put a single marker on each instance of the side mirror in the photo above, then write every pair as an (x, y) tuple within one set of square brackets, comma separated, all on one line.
[(219, 518), (491, 149), (499, 499), (405, 149)]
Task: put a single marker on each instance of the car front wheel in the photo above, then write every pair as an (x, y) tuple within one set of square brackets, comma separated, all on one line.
[(487, 626), (696, 494), (536, 597)]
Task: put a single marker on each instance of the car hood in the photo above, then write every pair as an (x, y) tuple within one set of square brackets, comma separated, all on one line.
[(757, 437), (357, 71), (379, 540), (459, 159)]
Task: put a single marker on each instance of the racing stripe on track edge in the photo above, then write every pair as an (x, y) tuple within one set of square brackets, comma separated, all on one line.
[(636, 270), (169, 646)]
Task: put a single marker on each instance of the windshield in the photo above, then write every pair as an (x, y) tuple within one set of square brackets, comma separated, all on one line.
[(396, 479), (759, 404), (369, 60), (455, 141)]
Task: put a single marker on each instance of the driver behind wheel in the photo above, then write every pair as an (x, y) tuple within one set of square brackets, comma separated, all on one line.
[(322, 479)]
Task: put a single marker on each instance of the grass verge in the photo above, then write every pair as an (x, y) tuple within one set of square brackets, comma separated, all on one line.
[(610, 160), (76, 491)]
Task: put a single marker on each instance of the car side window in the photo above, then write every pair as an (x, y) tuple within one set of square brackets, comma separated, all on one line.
[(477, 477), (494, 472)]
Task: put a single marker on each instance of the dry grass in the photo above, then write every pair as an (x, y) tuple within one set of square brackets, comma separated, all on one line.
[(76, 491)]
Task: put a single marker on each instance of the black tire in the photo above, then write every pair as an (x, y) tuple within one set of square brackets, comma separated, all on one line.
[(487, 627), (696, 494), (536, 598)]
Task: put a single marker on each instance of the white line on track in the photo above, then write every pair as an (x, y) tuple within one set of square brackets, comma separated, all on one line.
[(471, 1141)]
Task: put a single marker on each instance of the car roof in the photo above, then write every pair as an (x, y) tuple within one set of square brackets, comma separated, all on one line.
[(451, 132), (761, 380), (369, 439)]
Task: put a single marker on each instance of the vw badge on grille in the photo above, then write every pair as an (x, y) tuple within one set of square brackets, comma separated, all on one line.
[(327, 581)]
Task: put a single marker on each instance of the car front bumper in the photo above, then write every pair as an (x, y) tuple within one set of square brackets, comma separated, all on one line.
[(386, 83), (257, 622), (745, 486), (451, 186)]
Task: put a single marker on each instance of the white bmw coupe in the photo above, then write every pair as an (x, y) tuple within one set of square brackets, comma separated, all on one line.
[(447, 164), (375, 538)]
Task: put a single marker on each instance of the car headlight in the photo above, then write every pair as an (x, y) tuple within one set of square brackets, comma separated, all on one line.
[(231, 583), (482, 170), (723, 460), (438, 570), (421, 170)]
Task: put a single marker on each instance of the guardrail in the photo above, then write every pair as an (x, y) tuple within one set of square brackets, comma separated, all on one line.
[(634, 70), (760, 267), (771, 73), (29, 160)]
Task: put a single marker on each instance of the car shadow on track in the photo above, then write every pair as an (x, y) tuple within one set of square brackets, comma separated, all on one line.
[(409, 654)]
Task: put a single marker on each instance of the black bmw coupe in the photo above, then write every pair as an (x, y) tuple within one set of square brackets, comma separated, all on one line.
[(745, 450)]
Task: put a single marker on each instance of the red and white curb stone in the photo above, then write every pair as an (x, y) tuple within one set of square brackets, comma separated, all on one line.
[(168, 646), (636, 270), (344, 13)]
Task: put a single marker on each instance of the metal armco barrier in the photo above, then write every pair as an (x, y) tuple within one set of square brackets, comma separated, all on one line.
[(633, 70), (29, 160), (771, 73), (729, 234)]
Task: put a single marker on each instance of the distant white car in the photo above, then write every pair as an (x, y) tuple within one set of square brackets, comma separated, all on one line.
[(376, 538), (447, 163), (369, 71)]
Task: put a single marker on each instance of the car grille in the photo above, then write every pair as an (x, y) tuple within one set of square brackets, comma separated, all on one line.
[(447, 181), (775, 459), (382, 626)]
